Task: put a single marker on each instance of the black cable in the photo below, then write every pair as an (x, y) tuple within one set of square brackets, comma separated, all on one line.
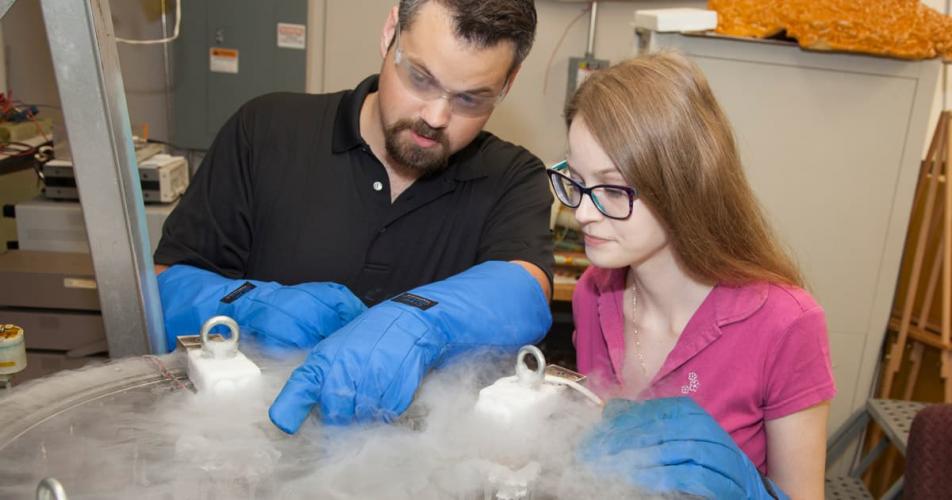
[(14, 149)]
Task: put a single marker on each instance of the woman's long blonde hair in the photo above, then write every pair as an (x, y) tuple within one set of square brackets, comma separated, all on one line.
[(657, 119)]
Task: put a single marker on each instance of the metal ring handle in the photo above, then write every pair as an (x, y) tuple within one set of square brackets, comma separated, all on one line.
[(528, 376), (220, 349), (50, 489)]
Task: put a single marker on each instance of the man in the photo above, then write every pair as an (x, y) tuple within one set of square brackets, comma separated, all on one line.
[(391, 191)]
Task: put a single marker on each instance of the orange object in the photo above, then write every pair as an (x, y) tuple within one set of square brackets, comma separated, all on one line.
[(898, 28)]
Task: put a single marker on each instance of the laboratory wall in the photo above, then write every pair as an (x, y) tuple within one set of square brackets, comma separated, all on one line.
[(343, 38), (532, 113)]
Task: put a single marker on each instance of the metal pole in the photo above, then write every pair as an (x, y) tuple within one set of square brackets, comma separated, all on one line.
[(86, 63), (168, 75), (590, 51), (5, 6)]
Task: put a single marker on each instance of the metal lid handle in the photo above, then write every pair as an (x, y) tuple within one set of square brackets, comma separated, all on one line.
[(50, 489), (220, 349), (528, 376)]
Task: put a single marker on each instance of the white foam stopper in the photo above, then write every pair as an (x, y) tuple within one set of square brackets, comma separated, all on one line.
[(221, 375), (509, 401)]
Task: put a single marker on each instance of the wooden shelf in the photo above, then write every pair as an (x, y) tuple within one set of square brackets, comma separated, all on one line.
[(563, 292)]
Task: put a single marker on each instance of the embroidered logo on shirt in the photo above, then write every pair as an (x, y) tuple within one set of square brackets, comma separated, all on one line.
[(693, 384)]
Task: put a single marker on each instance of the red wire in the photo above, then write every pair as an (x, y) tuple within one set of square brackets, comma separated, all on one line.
[(39, 128), (7, 102)]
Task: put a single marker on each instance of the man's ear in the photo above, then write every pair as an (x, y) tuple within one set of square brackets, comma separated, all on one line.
[(389, 30)]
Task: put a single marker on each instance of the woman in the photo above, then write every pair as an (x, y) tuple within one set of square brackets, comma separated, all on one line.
[(689, 294)]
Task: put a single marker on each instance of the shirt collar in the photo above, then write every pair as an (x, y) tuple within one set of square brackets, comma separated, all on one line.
[(723, 305), (733, 304), (347, 133), (729, 304), (347, 123)]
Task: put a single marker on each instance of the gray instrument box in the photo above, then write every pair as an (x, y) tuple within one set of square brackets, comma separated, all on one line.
[(164, 179), (58, 226)]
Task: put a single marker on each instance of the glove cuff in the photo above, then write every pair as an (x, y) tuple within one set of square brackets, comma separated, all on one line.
[(493, 304)]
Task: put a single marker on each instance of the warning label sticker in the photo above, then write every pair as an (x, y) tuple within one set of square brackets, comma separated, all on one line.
[(223, 60), (292, 36)]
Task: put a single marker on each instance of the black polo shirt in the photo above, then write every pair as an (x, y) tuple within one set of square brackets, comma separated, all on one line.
[(289, 192)]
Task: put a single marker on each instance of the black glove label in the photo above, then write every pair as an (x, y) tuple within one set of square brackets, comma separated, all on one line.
[(416, 301), (238, 292)]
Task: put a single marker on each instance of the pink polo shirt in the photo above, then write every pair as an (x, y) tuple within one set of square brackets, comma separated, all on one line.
[(748, 355)]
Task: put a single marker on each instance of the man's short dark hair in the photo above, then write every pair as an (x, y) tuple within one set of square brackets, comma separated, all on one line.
[(484, 23)]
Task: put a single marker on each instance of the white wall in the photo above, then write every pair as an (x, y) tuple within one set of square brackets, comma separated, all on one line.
[(532, 113), (345, 51), (143, 74), (28, 67), (30, 70)]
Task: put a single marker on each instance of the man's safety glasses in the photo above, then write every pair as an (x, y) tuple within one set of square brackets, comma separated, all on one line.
[(425, 87), (614, 202)]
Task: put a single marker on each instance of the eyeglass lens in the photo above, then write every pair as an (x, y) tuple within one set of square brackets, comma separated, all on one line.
[(611, 201), (427, 88)]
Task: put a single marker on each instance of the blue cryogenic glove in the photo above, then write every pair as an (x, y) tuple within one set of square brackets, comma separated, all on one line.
[(370, 369), (672, 445), (295, 317)]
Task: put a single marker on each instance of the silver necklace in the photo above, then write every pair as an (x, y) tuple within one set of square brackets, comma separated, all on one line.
[(634, 328)]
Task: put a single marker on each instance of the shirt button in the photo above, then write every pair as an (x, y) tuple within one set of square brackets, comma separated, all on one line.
[(378, 186)]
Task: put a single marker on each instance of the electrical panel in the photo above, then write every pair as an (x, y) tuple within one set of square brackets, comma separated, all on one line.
[(579, 69), (228, 52)]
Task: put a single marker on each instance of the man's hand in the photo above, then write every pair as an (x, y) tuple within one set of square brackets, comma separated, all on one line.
[(370, 369), (290, 317)]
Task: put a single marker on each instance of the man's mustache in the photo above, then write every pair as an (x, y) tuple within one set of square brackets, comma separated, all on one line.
[(422, 129)]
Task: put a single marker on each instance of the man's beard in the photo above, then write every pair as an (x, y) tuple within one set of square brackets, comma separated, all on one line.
[(410, 156)]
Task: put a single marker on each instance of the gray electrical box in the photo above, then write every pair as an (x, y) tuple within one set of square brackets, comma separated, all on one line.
[(228, 52), (579, 69)]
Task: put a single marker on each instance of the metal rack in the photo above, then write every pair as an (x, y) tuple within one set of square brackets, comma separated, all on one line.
[(86, 64), (894, 417)]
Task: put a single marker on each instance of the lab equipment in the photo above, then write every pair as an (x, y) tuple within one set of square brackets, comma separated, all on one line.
[(163, 179), (47, 225), (531, 393), (216, 366), (519, 404), (130, 428), (12, 352), (677, 19)]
